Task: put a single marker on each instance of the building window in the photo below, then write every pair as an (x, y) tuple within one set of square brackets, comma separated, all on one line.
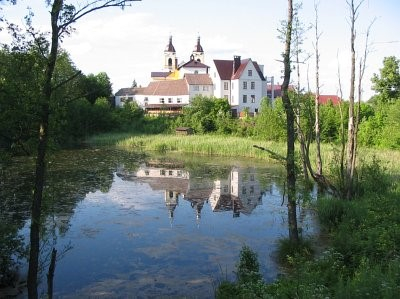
[(205, 88), (244, 85), (162, 172), (170, 172), (196, 88), (146, 172), (225, 188), (196, 72), (162, 100), (226, 96), (256, 110), (253, 98), (178, 100), (244, 191), (179, 173), (245, 98), (251, 189), (170, 100), (146, 99), (226, 86), (253, 85), (250, 73), (130, 99), (252, 177)]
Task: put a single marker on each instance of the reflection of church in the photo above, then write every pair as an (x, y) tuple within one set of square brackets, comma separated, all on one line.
[(239, 193)]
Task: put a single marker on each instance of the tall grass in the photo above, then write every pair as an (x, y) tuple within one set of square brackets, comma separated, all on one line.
[(231, 146), (216, 145)]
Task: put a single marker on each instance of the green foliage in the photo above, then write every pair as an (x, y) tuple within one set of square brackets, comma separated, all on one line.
[(206, 115), (330, 212), (330, 122), (270, 123), (97, 86), (372, 178), (248, 267), (387, 83), (289, 251)]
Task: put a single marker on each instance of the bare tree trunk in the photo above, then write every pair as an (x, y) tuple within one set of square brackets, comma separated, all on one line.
[(317, 86), (41, 154), (290, 118), (351, 130), (50, 274)]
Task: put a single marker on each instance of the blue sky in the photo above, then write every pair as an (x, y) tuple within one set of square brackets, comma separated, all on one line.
[(129, 44)]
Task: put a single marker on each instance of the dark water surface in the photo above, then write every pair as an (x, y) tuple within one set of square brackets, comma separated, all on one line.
[(127, 226)]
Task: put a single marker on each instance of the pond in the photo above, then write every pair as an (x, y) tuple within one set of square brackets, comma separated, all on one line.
[(129, 225)]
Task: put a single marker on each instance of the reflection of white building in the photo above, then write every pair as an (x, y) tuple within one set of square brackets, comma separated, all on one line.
[(240, 193)]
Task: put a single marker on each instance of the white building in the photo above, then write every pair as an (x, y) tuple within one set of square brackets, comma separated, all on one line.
[(241, 82)]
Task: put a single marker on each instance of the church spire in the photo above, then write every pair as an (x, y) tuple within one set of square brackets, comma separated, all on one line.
[(198, 52), (170, 47), (170, 59)]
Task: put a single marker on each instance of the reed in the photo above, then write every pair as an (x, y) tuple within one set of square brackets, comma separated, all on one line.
[(202, 144), (231, 146)]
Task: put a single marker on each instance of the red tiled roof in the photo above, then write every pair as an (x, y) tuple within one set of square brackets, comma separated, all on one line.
[(167, 88), (160, 74), (198, 79), (325, 99), (130, 91), (224, 68), (258, 69), (193, 63), (241, 68)]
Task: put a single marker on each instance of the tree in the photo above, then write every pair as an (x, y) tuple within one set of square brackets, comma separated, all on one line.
[(351, 152), (62, 16), (387, 82), (290, 120), (97, 86)]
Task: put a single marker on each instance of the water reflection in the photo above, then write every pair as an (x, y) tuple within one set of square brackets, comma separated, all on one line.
[(239, 192), (168, 226)]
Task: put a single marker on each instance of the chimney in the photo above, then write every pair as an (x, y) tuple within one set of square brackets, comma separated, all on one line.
[(236, 63)]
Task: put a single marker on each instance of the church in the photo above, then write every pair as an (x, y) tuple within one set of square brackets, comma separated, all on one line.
[(241, 82)]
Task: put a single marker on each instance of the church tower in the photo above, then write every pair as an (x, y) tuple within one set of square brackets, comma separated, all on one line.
[(170, 60), (198, 53)]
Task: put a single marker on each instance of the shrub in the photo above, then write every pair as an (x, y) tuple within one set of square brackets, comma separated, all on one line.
[(248, 268)]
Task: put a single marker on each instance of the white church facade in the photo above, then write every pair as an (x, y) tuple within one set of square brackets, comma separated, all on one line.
[(241, 82)]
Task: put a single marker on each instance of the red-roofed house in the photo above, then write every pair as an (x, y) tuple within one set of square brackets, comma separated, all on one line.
[(168, 96), (241, 82), (325, 99)]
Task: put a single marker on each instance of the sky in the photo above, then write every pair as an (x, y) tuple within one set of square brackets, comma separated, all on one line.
[(129, 44)]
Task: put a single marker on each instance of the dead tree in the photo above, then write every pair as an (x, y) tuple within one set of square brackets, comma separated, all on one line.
[(290, 118), (351, 152)]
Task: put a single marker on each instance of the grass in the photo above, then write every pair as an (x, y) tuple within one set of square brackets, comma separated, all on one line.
[(231, 146), (215, 145)]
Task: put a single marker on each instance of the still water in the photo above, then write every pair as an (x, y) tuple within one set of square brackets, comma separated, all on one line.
[(129, 225)]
